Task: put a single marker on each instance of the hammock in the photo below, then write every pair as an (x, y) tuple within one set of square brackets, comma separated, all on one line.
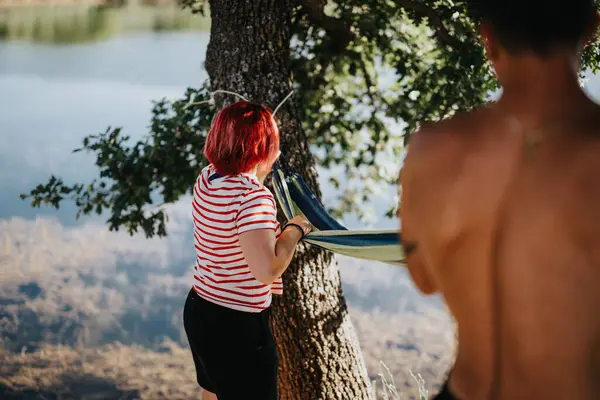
[(295, 198)]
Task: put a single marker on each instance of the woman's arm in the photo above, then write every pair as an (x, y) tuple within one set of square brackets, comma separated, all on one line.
[(268, 257)]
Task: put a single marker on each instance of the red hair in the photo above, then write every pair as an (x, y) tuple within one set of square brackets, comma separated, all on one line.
[(242, 136)]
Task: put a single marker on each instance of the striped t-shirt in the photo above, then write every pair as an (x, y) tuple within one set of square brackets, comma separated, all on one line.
[(224, 207)]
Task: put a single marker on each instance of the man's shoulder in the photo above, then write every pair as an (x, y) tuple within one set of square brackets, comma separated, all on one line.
[(438, 142), (460, 127)]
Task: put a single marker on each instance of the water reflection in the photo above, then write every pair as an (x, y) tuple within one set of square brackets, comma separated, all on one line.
[(84, 23), (53, 96)]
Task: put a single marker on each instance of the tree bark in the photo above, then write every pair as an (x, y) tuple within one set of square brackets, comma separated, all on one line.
[(319, 354)]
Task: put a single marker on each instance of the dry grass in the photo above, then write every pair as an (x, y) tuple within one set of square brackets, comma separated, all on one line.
[(398, 346), (68, 294), (124, 372), (109, 372)]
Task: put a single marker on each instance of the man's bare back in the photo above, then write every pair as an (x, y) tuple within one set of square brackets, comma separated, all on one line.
[(509, 232)]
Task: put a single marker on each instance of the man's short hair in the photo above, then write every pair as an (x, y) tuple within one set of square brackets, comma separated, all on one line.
[(539, 26)]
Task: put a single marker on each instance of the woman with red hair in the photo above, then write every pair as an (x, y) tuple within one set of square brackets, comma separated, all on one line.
[(241, 253)]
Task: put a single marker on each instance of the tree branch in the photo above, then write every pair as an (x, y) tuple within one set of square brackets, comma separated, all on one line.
[(372, 87), (335, 27), (441, 32)]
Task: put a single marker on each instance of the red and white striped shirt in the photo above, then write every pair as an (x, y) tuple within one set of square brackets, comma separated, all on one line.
[(222, 209)]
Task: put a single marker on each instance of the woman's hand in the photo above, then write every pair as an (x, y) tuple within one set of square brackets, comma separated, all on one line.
[(302, 223)]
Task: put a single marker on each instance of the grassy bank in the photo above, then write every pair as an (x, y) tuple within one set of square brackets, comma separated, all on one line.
[(124, 372), (110, 372), (101, 307), (85, 23)]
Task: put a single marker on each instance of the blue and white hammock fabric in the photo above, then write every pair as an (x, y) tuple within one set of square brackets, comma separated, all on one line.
[(295, 198)]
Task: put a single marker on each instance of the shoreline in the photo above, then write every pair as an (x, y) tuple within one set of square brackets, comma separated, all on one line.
[(14, 4)]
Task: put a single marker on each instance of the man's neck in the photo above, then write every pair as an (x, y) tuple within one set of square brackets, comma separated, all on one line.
[(541, 89)]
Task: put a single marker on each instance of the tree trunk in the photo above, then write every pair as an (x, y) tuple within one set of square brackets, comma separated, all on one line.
[(319, 354)]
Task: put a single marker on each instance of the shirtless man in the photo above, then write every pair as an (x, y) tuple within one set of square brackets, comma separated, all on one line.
[(501, 213)]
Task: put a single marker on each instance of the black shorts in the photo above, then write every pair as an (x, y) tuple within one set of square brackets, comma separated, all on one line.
[(234, 351)]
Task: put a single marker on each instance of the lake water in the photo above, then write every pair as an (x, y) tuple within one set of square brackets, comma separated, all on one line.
[(51, 96)]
